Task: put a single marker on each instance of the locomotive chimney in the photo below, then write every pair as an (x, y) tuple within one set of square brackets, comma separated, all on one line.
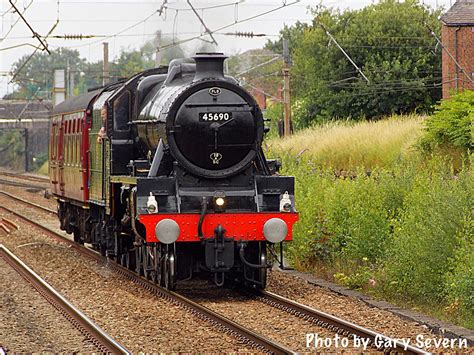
[(209, 65)]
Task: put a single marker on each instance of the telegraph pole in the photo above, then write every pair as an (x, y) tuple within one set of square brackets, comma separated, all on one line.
[(72, 71), (286, 89), (157, 46), (105, 67), (25, 134)]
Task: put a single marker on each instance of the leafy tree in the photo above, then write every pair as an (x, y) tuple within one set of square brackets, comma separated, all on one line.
[(12, 149), (388, 41), (452, 123), (36, 76), (37, 73), (293, 34)]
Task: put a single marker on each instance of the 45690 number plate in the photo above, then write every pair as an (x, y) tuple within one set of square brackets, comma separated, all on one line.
[(214, 116)]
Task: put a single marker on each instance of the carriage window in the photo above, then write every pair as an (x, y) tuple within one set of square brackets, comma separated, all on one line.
[(74, 150), (77, 150), (66, 149), (122, 112)]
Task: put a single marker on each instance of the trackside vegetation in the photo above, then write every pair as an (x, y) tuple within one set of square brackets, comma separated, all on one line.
[(379, 213)]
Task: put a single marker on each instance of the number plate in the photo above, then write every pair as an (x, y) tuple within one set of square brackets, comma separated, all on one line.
[(214, 116)]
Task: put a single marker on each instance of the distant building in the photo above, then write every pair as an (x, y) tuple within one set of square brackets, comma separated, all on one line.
[(259, 96), (457, 35), (32, 118)]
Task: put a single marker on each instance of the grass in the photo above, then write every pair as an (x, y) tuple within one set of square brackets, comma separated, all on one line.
[(403, 233), (43, 170), (348, 145)]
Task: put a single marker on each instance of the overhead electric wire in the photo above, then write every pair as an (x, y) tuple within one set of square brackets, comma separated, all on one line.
[(208, 31), (232, 24), (16, 21), (34, 52), (158, 11), (258, 66), (207, 7), (17, 46), (449, 53), (260, 90), (35, 34)]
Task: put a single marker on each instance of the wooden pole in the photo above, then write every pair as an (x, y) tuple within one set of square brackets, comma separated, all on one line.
[(157, 46), (105, 76), (286, 90)]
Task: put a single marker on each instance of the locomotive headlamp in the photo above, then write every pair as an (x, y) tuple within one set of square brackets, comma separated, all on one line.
[(152, 205), (275, 230), (167, 231), (285, 202), (219, 201)]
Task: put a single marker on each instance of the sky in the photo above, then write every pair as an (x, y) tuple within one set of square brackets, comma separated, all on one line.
[(129, 24)]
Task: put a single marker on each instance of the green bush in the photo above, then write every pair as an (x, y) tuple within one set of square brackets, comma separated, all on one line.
[(273, 113), (424, 238), (403, 232), (451, 124), (460, 277)]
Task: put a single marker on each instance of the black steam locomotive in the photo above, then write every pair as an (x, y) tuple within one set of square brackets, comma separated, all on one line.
[(165, 173)]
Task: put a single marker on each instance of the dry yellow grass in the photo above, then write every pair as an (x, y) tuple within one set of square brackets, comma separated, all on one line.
[(347, 145), (43, 170)]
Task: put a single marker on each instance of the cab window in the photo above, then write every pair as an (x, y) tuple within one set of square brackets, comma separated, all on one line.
[(122, 112)]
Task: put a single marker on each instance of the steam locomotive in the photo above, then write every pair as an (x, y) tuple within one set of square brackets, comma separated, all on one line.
[(165, 174)]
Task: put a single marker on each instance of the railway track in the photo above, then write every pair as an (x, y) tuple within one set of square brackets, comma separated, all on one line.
[(22, 184), (29, 203), (244, 335), (86, 327), (317, 317), (25, 177), (335, 324)]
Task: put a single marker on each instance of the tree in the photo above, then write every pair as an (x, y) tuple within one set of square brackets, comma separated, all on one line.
[(131, 62), (36, 74), (388, 41)]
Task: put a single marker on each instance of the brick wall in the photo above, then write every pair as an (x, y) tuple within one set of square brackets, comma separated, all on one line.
[(464, 54), (260, 97)]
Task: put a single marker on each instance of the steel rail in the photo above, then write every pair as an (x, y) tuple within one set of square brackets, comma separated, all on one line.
[(333, 323), (223, 324), (88, 328), (25, 177), (21, 184), (35, 205)]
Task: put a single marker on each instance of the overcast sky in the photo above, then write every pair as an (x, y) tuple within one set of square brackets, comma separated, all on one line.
[(131, 23)]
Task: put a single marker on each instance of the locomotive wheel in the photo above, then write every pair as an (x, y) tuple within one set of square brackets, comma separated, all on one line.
[(127, 259), (262, 273), (169, 271), (256, 278), (149, 269), (124, 260), (155, 275), (139, 260), (78, 236), (145, 261)]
